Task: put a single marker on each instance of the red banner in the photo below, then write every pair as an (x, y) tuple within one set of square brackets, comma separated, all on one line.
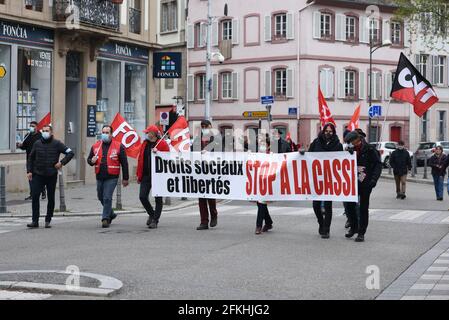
[(354, 123), (126, 135), (44, 122), (325, 112), (180, 135)]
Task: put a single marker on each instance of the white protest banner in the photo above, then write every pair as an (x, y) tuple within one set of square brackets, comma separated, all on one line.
[(326, 176)]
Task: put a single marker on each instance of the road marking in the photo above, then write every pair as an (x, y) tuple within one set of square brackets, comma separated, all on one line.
[(442, 261), (439, 269), (435, 297), (408, 215), (422, 286), (431, 276), (5, 231), (413, 298), (19, 295)]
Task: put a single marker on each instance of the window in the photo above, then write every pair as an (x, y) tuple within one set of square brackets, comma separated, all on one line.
[(5, 92), (169, 15), (351, 27), (350, 81), (396, 33), (201, 86), (376, 87), (280, 29), (422, 64), (35, 5), (374, 31), (226, 27), (108, 91), (326, 25), (423, 125), (438, 70), (169, 84), (327, 82), (280, 83), (199, 40), (135, 96), (135, 13), (441, 125), (226, 85)]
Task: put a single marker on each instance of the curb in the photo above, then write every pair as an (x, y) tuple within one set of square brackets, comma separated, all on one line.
[(414, 180)]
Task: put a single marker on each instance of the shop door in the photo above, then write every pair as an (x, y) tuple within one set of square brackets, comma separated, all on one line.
[(395, 134), (73, 114)]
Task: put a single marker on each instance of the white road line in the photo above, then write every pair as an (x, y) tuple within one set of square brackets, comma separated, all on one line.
[(442, 261), (408, 215), (445, 220), (422, 286), (438, 269), (431, 276), (19, 295), (5, 231), (435, 297)]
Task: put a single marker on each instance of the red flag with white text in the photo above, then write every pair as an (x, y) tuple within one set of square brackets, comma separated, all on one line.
[(126, 135), (354, 122), (325, 113), (179, 135)]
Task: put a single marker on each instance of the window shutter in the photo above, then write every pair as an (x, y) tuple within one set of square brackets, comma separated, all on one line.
[(290, 26), (388, 85), (268, 91), (201, 41), (406, 36), (323, 82), (214, 86), (235, 31), (290, 83), (215, 33), (435, 76), (362, 85), (340, 34), (317, 25), (190, 87), (267, 28), (386, 31), (378, 82), (330, 83), (235, 86), (190, 34), (363, 32), (341, 84), (417, 60)]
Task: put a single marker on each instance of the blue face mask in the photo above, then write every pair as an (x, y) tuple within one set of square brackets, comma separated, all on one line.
[(105, 137), (46, 135), (32, 129)]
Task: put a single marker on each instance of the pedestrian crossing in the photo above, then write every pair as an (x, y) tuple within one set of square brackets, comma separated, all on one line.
[(19, 295), (9, 224)]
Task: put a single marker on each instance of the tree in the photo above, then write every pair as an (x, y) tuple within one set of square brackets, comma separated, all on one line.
[(427, 19)]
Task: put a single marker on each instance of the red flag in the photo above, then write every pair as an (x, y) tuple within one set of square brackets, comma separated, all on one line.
[(44, 122), (126, 135), (325, 113), (354, 123), (410, 86), (180, 135)]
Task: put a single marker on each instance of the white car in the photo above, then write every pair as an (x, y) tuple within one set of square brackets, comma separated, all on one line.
[(385, 149)]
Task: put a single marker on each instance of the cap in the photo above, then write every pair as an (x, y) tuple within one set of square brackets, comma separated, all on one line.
[(360, 132), (351, 136), (206, 123), (153, 129)]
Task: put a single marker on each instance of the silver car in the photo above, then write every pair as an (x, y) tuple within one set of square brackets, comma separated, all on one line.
[(424, 152)]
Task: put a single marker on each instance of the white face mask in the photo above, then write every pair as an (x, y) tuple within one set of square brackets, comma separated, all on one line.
[(46, 135), (32, 129), (205, 131), (263, 148)]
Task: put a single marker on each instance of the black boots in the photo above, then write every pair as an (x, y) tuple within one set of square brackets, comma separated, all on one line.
[(33, 225), (351, 233), (202, 227), (360, 238), (213, 221)]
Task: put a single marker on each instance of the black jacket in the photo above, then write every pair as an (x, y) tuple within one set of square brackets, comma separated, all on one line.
[(45, 154), (282, 147), (321, 145), (435, 161), (103, 174), (369, 166), (400, 161), (29, 141), (210, 143)]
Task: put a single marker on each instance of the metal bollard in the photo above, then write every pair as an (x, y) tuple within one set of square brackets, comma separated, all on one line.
[(119, 205), (414, 166), (62, 206), (2, 190), (389, 167), (167, 201), (425, 167)]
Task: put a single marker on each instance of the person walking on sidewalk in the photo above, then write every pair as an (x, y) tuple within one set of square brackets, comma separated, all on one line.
[(438, 163), (326, 141), (369, 169), (207, 142), (32, 136), (42, 170), (401, 163), (152, 143), (107, 156)]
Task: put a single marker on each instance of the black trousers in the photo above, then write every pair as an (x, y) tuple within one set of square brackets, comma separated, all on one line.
[(360, 222), (31, 187), (326, 219), (263, 214), (145, 187), (38, 185)]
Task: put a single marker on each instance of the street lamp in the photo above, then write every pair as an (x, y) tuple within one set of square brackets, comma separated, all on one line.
[(372, 49)]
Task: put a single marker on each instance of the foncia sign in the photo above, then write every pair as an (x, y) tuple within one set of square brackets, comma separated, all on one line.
[(167, 65)]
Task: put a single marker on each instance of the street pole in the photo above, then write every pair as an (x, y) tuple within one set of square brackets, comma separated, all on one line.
[(62, 206), (118, 204), (370, 84), (3, 190), (208, 59)]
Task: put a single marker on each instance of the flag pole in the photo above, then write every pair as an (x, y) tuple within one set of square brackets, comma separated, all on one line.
[(385, 120), (161, 139)]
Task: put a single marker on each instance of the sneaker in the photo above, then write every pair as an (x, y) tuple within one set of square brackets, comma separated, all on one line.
[(105, 223), (47, 225), (153, 225), (202, 227), (44, 196), (113, 216), (33, 225), (440, 199), (321, 229), (325, 235), (347, 224), (213, 222), (351, 232), (398, 196), (267, 227), (28, 198), (403, 196), (258, 230), (149, 221), (360, 238)]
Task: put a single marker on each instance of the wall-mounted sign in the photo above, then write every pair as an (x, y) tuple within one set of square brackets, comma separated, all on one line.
[(25, 34), (164, 119), (124, 51), (255, 114), (2, 71), (167, 65), (92, 82), (292, 111), (91, 120)]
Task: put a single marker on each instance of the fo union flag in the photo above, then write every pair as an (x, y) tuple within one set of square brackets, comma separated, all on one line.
[(410, 86), (126, 135), (179, 135)]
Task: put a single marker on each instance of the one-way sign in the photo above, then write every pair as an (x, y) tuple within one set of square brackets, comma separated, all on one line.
[(267, 99), (375, 111)]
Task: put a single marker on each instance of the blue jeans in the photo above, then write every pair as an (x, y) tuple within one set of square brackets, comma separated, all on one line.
[(438, 182), (105, 190)]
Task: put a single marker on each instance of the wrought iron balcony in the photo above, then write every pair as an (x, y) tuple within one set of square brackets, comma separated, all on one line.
[(98, 13), (35, 5), (134, 20)]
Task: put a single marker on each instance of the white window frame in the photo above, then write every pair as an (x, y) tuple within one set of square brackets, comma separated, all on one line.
[(396, 33), (226, 86), (349, 26), (169, 16), (226, 30), (442, 125), (201, 78), (439, 70), (374, 30), (324, 25), (348, 82), (280, 81), (280, 27)]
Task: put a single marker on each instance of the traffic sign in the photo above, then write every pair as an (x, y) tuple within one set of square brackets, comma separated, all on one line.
[(2, 71), (375, 111), (292, 111), (267, 99), (255, 114), (164, 119)]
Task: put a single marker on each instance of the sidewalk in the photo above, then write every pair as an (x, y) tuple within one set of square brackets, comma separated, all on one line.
[(82, 201), (417, 179)]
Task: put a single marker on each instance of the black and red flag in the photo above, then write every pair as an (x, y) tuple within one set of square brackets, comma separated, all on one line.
[(410, 86)]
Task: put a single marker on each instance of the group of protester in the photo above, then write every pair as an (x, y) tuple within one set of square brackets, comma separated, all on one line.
[(108, 156)]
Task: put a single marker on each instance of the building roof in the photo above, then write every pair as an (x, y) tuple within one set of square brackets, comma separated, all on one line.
[(384, 3)]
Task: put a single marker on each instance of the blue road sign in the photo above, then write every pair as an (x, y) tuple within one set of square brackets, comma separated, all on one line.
[(267, 99), (375, 111), (292, 111)]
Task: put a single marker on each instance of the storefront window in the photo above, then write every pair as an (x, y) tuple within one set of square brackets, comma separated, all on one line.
[(108, 92), (5, 85), (33, 88), (135, 96)]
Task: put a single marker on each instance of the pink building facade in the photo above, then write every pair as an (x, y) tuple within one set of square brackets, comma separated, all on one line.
[(286, 49)]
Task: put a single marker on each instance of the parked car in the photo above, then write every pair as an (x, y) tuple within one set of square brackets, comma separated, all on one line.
[(426, 149), (385, 149)]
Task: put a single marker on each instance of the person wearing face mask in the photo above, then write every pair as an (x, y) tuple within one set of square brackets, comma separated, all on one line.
[(279, 145), (107, 156), (32, 136), (401, 163), (152, 143), (327, 141), (438, 163), (42, 170), (369, 169)]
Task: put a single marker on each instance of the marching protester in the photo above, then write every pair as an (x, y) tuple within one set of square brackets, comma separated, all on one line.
[(438, 163), (27, 144), (107, 155), (369, 169), (279, 145), (345, 148), (293, 146), (401, 163), (326, 141), (42, 170), (207, 142), (152, 143)]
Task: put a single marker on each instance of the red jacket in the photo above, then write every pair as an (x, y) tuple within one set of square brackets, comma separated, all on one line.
[(162, 146), (113, 161)]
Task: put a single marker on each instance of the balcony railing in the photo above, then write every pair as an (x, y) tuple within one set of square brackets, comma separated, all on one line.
[(35, 5), (134, 20), (99, 13)]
